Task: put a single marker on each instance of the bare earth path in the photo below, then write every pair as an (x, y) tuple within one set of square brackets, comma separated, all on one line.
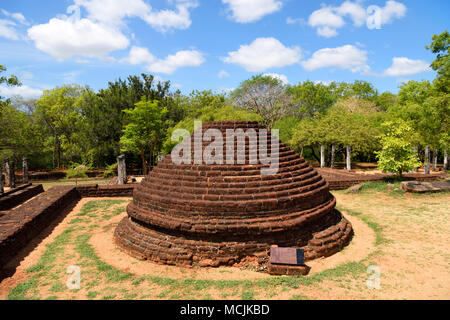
[(405, 236)]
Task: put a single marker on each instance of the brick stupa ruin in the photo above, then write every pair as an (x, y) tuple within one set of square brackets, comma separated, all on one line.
[(226, 214)]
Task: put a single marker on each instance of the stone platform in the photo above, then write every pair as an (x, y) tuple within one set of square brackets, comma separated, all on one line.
[(223, 214)]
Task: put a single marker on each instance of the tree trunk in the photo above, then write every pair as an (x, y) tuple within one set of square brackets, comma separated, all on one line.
[(333, 154), (58, 154), (435, 156), (445, 160), (416, 150), (349, 158), (427, 160), (314, 154), (144, 164), (322, 155), (2, 190)]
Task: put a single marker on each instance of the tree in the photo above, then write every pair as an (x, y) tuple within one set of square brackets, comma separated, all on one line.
[(58, 110), (265, 96), (440, 45), (358, 89), (145, 130), (312, 98), (396, 155), (350, 122), (9, 81)]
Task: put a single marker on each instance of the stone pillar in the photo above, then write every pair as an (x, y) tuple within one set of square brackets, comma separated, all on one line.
[(7, 179), (322, 155), (427, 160), (12, 177), (333, 153), (349, 158), (445, 159), (25, 170), (121, 170)]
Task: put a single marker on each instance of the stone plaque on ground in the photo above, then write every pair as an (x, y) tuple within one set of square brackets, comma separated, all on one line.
[(291, 256)]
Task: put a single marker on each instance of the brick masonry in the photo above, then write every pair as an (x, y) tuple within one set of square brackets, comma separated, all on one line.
[(19, 226), (94, 190), (19, 196), (212, 215)]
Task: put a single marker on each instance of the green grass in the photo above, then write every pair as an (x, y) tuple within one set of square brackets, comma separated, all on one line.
[(71, 182), (100, 273)]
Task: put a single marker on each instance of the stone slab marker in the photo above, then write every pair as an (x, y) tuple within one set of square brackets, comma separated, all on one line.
[(427, 160), (11, 176), (349, 158), (445, 159), (121, 170), (333, 152), (322, 155), (25, 176)]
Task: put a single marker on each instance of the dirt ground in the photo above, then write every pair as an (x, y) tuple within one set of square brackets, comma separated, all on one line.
[(403, 236)]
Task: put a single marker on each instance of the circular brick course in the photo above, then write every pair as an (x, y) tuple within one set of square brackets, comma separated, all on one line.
[(222, 214)]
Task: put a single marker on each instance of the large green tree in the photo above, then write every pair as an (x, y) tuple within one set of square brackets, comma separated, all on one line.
[(144, 132)]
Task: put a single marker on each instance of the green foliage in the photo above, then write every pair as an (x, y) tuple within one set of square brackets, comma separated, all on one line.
[(110, 170), (351, 121), (440, 45), (396, 155), (312, 98), (145, 130), (9, 81), (266, 96), (210, 113)]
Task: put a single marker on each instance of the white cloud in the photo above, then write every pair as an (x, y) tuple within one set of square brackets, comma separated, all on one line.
[(356, 12), (16, 16), (402, 66), (392, 10), (299, 21), (24, 91), (65, 37), (347, 57), (100, 32), (186, 58), (245, 11), (168, 65), (329, 19), (262, 54), (280, 77), (326, 17), (327, 32), (322, 82), (139, 55), (223, 74), (7, 30)]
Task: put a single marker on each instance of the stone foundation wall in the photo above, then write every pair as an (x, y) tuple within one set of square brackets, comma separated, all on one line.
[(18, 196), (19, 226), (94, 190)]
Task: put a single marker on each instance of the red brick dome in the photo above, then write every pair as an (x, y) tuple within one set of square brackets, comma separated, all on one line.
[(221, 214)]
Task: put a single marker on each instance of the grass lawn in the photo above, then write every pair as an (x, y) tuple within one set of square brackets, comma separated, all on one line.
[(71, 182), (410, 251)]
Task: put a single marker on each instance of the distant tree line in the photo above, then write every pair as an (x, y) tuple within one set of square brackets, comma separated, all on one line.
[(333, 122)]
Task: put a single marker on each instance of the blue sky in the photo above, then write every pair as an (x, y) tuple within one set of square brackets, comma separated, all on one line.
[(216, 44)]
